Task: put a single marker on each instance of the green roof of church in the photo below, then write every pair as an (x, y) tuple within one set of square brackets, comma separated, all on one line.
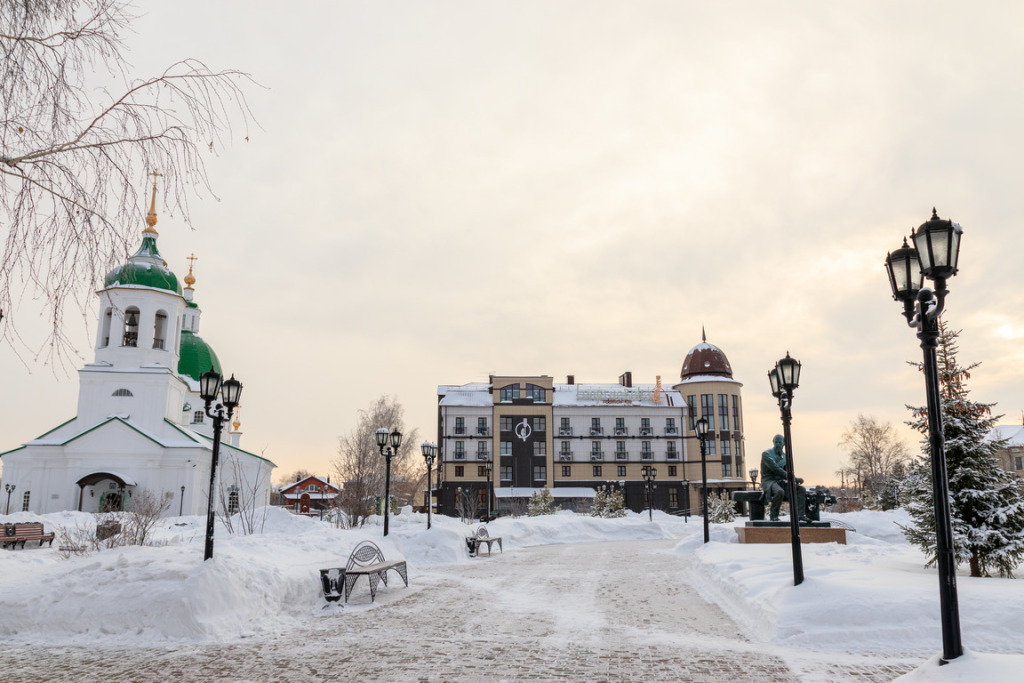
[(196, 356), (146, 268)]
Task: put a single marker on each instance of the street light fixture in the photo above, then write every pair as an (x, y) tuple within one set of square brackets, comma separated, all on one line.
[(753, 478), (9, 488), (230, 391), (395, 437), (702, 434), (490, 486), (934, 256), (650, 474), (429, 453), (784, 379)]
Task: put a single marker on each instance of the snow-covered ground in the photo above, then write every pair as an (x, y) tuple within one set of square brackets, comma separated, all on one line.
[(872, 596)]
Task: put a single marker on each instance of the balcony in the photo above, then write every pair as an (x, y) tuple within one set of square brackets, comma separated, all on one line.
[(646, 455), (672, 455), (596, 431), (565, 431), (483, 455), (565, 456), (646, 431), (621, 431), (597, 455), (483, 431), (460, 431), (671, 431), (621, 455), (460, 455)]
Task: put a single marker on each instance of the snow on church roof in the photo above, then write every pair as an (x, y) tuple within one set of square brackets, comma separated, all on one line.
[(1014, 435)]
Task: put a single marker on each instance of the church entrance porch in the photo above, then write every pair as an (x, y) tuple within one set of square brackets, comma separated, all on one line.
[(104, 492)]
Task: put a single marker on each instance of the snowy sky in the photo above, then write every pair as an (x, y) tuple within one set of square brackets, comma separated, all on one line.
[(444, 190)]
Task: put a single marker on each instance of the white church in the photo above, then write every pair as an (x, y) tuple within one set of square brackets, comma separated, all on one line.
[(140, 426)]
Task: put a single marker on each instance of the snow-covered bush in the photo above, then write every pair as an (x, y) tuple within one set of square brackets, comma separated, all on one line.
[(608, 504)]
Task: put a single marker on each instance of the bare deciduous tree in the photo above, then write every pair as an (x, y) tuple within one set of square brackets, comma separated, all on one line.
[(875, 451), (359, 466), (246, 510), (78, 134)]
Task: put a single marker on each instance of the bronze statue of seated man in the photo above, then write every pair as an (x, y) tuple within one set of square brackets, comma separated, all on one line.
[(774, 482)]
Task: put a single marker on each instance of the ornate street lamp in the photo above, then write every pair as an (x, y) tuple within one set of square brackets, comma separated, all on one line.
[(395, 437), (784, 379), (181, 504), (650, 474), (934, 256), (429, 453), (230, 391), (490, 486), (9, 488), (753, 477), (702, 434)]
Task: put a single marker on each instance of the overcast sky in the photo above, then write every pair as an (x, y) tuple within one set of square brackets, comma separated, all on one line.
[(444, 190)]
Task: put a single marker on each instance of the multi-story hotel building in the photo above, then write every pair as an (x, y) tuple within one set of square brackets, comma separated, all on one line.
[(502, 440)]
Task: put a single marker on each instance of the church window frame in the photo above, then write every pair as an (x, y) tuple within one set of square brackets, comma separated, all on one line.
[(130, 333), (122, 393), (198, 417), (160, 330), (25, 500)]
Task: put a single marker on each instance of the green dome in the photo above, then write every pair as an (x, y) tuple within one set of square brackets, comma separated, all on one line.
[(146, 268), (196, 356)]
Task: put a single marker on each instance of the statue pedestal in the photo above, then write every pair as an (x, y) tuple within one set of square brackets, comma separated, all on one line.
[(778, 532)]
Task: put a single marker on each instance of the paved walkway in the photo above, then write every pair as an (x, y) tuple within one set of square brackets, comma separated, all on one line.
[(587, 612)]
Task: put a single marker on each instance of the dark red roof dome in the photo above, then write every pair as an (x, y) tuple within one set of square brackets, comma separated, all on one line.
[(705, 359)]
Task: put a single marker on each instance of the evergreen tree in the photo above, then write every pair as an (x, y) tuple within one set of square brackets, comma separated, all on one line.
[(986, 502), (608, 504), (542, 503), (721, 509)]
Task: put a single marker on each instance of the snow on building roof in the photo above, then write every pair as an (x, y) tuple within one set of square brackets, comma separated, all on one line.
[(475, 395), (1014, 435), (614, 394)]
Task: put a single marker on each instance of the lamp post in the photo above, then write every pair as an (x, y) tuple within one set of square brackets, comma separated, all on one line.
[(650, 474), (181, 505), (429, 453), (702, 434), (490, 487), (230, 391), (784, 379), (395, 437), (9, 488), (753, 478), (686, 510), (934, 256)]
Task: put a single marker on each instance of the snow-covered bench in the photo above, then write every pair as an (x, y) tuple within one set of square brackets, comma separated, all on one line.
[(368, 560), (482, 536), (19, 532)]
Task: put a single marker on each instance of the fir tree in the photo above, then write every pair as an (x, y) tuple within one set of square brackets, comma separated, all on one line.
[(608, 504), (721, 509), (986, 502), (542, 503)]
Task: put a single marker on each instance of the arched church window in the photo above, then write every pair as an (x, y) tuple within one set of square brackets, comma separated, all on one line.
[(122, 392), (24, 501), (160, 330), (233, 502), (131, 327), (105, 335)]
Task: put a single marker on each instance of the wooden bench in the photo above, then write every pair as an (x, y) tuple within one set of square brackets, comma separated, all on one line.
[(368, 560), (483, 537), (13, 534)]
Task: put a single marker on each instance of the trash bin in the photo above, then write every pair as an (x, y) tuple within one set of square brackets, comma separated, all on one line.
[(333, 581), (471, 543), (105, 530)]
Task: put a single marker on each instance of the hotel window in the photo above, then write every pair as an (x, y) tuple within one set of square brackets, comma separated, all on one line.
[(645, 426), (691, 409), (645, 450), (597, 470), (540, 473), (481, 497), (460, 470), (506, 473), (595, 447), (620, 471), (736, 412), (540, 448), (670, 449), (620, 425), (707, 410), (565, 428), (725, 448), (506, 448), (510, 392), (566, 470), (460, 425), (506, 424), (711, 447), (620, 449), (460, 450), (723, 412), (481, 450), (481, 470), (565, 448), (535, 392), (595, 425), (726, 469), (1019, 462), (539, 424), (672, 469), (673, 498), (670, 425), (481, 426)]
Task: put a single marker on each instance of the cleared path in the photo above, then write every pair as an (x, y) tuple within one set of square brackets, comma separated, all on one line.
[(589, 612)]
